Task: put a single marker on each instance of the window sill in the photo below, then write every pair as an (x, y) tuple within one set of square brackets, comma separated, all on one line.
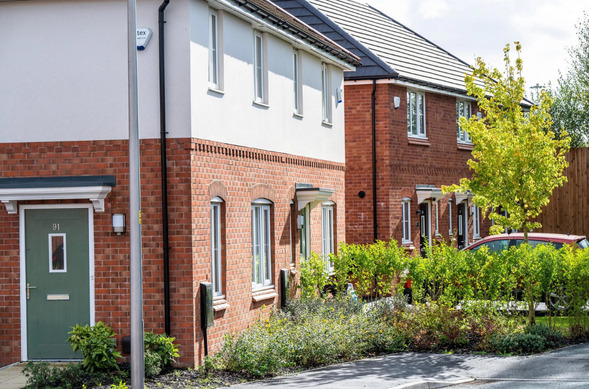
[(220, 304), (260, 104), (418, 141), (264, 293), (465, 146), (297, 115), (326, 123), (216, 91), (408, 245)]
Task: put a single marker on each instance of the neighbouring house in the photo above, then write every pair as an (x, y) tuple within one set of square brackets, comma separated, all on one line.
[(402, 138), (242, 165)]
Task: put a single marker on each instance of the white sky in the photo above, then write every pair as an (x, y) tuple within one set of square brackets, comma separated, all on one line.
[(481, 28)]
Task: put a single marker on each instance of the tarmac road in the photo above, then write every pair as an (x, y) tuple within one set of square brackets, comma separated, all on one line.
[(563, 368)]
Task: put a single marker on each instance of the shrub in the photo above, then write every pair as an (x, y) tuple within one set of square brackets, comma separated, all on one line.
[(519, 343), (553, 337), (314, 276), (160, 352), (41, 375), (97, 345)]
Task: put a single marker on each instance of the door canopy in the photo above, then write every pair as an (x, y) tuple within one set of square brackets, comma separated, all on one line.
[(93, 188)]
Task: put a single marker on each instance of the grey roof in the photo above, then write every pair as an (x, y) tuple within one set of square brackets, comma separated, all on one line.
[(284, 20), (372, 65), (385, 46)]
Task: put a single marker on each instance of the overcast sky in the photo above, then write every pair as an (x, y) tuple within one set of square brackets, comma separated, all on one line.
[(481, 28)]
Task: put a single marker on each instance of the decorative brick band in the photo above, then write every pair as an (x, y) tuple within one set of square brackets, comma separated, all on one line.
[(209, 147)]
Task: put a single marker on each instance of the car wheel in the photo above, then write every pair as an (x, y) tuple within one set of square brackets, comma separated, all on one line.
[(557, 301)]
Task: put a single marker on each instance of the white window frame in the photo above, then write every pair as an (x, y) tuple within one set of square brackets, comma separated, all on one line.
[(327, 234), (437, 217), (51, 248), (326, 108), (416, 128), (450, 217), (260, 68), (216, 248), (215, 50), (297, 84), (476, 222), (406, 220), (261, 242), (463, 109)]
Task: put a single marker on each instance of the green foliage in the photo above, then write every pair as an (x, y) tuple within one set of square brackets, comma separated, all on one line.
[(97, 345), (373, 269), (519, 343), (552, 337), (516, 160), (41, 375), (314, 276), (570, 110), (160, 352), (121, 385)]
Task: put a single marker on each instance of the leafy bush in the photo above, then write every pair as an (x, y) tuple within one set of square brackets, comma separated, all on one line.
[(97, 345), (373, 269), (519, 343), (41, 375), (160, 352), (314, 276), (553, 337)]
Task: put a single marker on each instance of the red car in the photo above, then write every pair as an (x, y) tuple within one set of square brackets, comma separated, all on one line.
[(502, 242)]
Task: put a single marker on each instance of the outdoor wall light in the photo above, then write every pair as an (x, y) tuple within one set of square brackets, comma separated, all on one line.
[(118, 223)]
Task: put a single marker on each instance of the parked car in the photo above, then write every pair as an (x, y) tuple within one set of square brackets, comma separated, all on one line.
[(496, 243), (502, 242)]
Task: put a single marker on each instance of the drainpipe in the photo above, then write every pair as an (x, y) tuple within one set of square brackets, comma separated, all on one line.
[(374, 203), (166, 247)]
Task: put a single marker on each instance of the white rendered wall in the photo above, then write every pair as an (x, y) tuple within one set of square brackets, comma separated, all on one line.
[(232, 117), (64, 70)]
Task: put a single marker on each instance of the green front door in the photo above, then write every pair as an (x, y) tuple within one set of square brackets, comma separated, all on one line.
[(57, 279)]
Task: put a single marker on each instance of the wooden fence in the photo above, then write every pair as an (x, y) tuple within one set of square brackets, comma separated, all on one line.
[(568, 210)]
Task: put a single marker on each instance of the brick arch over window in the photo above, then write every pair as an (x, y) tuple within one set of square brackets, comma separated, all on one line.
[(217, 189), (262, 191), (407, 192)]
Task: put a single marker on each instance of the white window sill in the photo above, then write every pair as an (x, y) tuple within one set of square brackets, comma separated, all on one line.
[(260, 104), (216, 90), (418, 140), (297, 115), (220, 303), (264, 293), (326, 123), (465, 146)]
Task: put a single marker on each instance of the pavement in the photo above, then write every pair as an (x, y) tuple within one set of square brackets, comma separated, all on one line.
[(11, 377), (564, 368)]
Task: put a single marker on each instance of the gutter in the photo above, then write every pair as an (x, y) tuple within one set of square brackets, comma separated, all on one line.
[(165, 243)]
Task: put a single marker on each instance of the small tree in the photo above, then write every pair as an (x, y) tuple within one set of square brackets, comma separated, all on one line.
[(570, 110), (516, 160)]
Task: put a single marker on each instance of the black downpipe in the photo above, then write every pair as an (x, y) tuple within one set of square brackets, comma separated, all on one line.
[(163, 132), (374, 203)]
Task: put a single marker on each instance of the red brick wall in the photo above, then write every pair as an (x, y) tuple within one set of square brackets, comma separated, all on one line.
[(193, 167), (401, 164)]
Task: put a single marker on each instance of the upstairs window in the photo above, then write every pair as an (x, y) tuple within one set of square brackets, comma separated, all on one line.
[(215, 51), (416, 114), (296, 81), (325, 93), (260, 69), (462, 110)]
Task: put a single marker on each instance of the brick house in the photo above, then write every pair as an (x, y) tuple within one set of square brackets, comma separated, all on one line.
[(402, 138), (250, 175)]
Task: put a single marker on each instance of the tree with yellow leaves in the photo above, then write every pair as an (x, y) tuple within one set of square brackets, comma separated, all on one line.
[(516, 160)]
